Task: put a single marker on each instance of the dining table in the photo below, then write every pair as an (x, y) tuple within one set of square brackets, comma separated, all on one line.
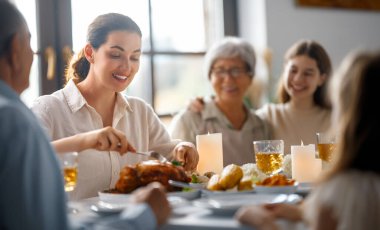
[(195, 213)]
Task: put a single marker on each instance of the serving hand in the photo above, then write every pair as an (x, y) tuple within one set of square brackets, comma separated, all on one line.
[(186, 153), (105, 139)]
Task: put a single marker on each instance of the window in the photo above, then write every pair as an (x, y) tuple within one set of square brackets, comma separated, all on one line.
[(176, 35), (28, 9)]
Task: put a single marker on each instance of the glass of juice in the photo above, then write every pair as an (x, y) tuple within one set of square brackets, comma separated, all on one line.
[(69, 167), (269, 155), (325, 145)]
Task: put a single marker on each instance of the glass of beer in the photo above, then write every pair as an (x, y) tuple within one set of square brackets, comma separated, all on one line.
[(69, 166), (269, 155), (326, 146)]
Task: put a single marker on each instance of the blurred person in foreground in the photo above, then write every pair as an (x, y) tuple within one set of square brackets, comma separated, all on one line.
[(348, 194), (93, 99), (230, 68), (32, 194)]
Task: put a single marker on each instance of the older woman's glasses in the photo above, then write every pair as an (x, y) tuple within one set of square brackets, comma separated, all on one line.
[(233, 72)]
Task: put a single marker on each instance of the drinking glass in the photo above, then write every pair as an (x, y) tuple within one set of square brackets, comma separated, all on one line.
[(69, 167), (326, 146), (269, 155)]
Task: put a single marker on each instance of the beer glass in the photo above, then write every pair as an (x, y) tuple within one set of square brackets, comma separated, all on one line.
[(69, 167), (269, 155), (326, 146)]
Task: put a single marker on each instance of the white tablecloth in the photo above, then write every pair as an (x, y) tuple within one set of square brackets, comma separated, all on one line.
[(184, 216)]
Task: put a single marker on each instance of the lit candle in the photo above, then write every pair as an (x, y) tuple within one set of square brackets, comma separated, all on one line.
[(305, 167), (210, 150)]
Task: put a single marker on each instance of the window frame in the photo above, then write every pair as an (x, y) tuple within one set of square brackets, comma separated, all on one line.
[(54, 26)]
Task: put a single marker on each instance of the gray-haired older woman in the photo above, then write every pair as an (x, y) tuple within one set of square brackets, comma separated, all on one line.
[(229, 66)]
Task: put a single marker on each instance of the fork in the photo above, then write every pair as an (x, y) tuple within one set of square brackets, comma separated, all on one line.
[(154, 155)]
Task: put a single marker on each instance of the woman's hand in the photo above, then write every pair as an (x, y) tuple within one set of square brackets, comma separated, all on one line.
[(106, 139), (186, 153), (196, 105)]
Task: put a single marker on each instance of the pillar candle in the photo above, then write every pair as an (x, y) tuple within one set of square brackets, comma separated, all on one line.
[(305, 167), (210, 150)]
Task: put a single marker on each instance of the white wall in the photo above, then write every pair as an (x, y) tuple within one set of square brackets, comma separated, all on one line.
[(338, 30)]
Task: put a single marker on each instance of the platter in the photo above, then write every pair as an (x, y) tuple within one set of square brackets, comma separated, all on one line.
[(228, 205), (209, 193), (122, 198), (189, 195), (109, 208), (304, 188)]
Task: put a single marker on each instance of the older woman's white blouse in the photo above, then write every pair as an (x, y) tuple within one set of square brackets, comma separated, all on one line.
[(66, 112), (354, 198)]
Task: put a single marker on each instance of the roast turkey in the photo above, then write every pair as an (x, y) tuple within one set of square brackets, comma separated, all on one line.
[(141, 174)]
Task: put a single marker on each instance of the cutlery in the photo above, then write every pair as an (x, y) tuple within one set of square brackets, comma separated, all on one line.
[(154, 155), (185, 185)]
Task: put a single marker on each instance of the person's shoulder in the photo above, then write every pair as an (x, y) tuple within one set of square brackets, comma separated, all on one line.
[(357, 177), (186, 115), (269, 108), (8, 107), (14, 117)]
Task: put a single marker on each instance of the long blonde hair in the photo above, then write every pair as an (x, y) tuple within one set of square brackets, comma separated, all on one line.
[(354, 92)]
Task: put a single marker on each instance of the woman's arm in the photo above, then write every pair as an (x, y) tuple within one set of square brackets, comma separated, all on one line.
[(103, 139)]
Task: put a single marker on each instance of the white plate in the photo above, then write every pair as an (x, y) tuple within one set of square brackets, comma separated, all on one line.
[(109, 208), (304, 188), (122, 198), (113, 197), (289, 189), (105, 208), (228, 205)]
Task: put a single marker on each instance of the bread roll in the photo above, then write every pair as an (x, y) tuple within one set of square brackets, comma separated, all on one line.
[(213, 183), (245, 183), (230, 176)]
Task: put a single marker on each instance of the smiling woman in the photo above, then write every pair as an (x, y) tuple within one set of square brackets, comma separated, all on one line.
[(230, 68), (91, 116), (172, 53), (304, 107)]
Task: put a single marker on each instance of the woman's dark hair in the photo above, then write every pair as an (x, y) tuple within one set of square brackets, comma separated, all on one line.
[(315, 51), (97, 34)]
